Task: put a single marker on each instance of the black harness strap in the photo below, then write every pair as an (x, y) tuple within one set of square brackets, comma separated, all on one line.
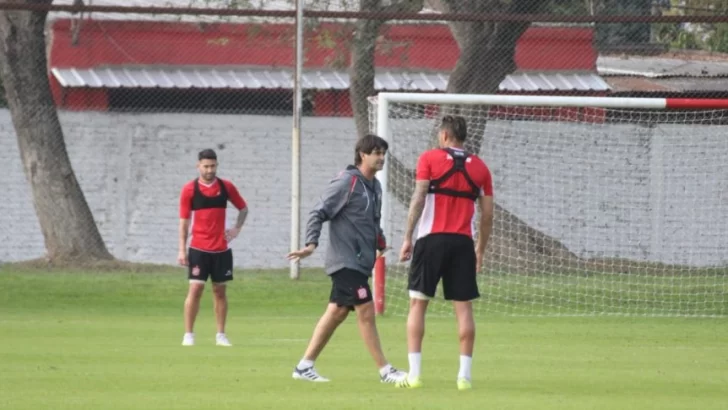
[(459, 158), (200, 201)]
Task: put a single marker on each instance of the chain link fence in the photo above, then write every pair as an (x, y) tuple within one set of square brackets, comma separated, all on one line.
[(103, 117)]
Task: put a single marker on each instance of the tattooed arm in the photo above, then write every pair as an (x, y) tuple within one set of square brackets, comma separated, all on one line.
[(417, 205)]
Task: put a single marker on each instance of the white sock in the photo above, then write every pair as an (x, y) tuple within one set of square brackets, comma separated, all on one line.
[(304, 364), (385, 369), (415, 359), (466, 363), (189, 334), (218, 334)]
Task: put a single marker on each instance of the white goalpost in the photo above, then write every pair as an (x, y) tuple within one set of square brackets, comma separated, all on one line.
[(604, 205)]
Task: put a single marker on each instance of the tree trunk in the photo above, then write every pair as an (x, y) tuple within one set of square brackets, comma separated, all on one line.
[(361, 72), (65, 219), (487, 52), (361, 75)]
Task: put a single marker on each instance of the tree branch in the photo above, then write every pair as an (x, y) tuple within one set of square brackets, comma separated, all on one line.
[(363, 51)]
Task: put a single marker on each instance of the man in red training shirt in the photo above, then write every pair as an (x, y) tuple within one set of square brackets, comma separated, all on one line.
[(203, 204), (449, 183)]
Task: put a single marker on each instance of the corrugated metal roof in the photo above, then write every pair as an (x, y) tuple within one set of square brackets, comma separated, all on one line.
[(660, 67), (235, 77), (553, 82)]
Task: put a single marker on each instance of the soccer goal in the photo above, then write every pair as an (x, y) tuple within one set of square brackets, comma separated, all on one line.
[(604, 206)]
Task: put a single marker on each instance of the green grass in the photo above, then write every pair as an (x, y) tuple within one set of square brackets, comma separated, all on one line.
[(691, 293), (82, 340)]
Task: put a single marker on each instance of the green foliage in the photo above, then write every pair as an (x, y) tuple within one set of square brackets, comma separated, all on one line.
[(568, 7), (718, 40), (686, 41), (615, 34), (709, 37), (83, 340)]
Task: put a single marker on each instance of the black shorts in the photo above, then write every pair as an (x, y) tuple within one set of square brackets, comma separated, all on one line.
[(447, 256), (350, 288), (218, 266)]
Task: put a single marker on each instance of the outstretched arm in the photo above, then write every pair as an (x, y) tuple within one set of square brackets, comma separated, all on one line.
[(331, 202)]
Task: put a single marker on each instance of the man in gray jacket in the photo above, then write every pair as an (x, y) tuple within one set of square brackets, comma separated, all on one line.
[(351, 203)]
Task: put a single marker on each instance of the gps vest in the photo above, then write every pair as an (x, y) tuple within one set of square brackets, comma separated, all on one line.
[(200, 201), (459, 158)]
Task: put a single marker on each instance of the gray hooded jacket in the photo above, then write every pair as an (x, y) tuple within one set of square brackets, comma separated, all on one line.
[(352, 206)]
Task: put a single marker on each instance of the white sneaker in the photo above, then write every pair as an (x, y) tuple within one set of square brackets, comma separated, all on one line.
[(188, 339), (221, 340), (309, 374), (393, 376)]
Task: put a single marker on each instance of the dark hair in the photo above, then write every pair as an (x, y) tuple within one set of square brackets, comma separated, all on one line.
[(367, 144), (456, 126), (207, 154)]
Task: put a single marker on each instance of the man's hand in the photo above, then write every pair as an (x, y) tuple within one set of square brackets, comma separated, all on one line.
[(182, 258), (405, 253), (301, 253), (231, 234)]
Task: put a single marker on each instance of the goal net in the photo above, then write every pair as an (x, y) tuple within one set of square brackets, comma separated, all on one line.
[(604, 206)]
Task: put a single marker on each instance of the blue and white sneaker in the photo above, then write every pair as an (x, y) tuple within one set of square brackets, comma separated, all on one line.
[(393, 376), (309, 374), (222, 340)]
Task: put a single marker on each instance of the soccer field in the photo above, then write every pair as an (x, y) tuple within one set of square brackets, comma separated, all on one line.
[(83, 340)]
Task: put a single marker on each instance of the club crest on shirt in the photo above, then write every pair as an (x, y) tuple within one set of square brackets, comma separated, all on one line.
[(362, 293)]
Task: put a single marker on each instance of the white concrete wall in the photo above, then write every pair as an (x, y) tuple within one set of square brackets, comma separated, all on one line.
[(627, 191), (132, 167), (611, 190)]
